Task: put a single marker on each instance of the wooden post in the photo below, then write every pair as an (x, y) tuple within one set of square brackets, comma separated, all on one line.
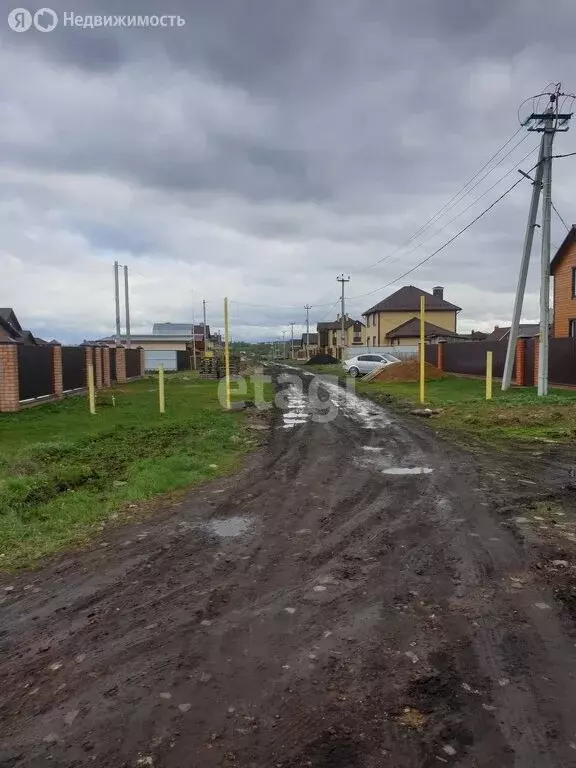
[(422, 350), (489, 375), (91, 389), (161, 398), (227, 354)]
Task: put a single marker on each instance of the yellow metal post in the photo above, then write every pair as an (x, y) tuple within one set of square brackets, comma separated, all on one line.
[(422, 350), (161, 396), (91, 389), (227, 353), (489, 375)]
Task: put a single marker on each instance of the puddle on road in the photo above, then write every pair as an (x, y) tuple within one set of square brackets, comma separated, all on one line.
[(227, 527), (407, 471)]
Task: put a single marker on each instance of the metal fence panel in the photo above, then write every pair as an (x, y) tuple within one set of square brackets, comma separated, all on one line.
[(73, 368), (562, 361), (153, 358), (471, 358), (35, 371), (132, 363), (113, 375), (184, 360)]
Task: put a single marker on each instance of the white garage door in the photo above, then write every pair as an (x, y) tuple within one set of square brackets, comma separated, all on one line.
[(166, 357)]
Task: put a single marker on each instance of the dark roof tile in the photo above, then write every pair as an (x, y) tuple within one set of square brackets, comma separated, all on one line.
[(407, 299)]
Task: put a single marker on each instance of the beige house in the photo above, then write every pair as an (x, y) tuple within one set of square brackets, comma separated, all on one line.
[(395, 319), (332, 341)]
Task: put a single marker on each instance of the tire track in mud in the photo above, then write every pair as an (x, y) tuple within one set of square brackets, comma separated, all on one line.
[(361, 620)]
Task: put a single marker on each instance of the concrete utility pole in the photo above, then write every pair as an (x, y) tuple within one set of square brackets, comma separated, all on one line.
[(117, 301), (127, 305), (292, 340), (194, 339), (547, 123), (204, 318), (523, 275), (307, 308), (343, 280), (284, 345)]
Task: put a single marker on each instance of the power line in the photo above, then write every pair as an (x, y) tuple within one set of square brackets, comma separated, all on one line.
[(453, 202), (560, 217), (446, 244), (570, 154)]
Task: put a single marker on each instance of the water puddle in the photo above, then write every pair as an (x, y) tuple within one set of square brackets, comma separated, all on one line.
[(407, 471), (227, 527)]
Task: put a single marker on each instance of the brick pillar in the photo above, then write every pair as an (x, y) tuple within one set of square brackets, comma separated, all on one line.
[(120, 365), (57, 370), (440, 351), (9, 385), (106, 367), (88, 359), (520, 378), (98, 367), (536, 359), (142, 361)]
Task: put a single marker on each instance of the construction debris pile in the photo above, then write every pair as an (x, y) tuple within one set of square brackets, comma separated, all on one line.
[(215, 367)]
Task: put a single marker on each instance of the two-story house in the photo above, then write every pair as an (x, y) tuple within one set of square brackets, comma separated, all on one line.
[(563, 270), (395, 319), (330, 335)]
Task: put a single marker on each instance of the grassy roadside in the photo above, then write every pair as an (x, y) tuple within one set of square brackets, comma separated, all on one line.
[(518, 415), (63, 471)]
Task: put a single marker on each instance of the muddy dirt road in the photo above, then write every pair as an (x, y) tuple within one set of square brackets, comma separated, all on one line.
[(355, 598)]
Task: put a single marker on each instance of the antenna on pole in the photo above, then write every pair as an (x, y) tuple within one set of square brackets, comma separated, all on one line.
[(555, 118)]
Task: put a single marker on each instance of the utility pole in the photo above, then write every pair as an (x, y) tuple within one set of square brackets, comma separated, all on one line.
[(307, 308), (204, 317), (292, 340), (117, 301), (523, 275), (284, 345), (547, 123), (127, 305), (343, 280), (193, 339)]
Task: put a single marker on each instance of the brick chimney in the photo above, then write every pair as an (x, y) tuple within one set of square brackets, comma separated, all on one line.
[(438, 292)]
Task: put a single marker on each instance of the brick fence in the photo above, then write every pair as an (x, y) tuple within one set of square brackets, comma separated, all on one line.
[(470, 358), (33, 375)]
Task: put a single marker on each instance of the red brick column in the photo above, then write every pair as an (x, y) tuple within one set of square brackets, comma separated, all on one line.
[(120, 365), (57, 371), (106, 367), (9, 385), (142, 361), (88, 359), (440, 351), (536, 358), (520, 378), (98, 367)]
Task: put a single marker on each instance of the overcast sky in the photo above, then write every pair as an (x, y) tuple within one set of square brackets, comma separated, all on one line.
[(263, 148)]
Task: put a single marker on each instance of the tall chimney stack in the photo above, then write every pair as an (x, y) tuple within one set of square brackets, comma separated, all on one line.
[(438, 292)]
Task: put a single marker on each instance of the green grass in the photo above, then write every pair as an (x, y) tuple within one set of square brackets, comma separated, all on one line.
[(516, 415), (64, 471)]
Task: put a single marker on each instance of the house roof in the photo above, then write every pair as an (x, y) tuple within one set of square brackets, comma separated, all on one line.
[(524, 329), (411, 328), (9, 316), (336, 325), (568, 240), (407, 299), (178, 329)]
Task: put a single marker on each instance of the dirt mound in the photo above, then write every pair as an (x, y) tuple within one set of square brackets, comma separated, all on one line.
[(408, 371), (321, 360)]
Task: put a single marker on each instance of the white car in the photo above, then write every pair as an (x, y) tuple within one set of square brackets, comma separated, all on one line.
[(362, 364)]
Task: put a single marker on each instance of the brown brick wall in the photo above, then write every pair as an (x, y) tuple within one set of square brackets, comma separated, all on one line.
[(121, 365), (520, 362), (9, 392), (536, 359), (98, 367), (106, 352), (564, 303), (57, 370), (440, 361)]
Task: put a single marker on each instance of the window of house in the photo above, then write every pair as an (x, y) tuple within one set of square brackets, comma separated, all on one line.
[(572, 328), (573, 282)]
